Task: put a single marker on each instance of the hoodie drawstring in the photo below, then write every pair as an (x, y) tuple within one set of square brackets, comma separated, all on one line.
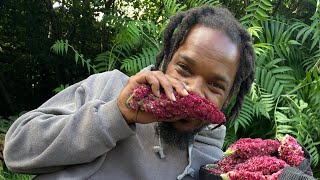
[(188, 170), (159, 149)]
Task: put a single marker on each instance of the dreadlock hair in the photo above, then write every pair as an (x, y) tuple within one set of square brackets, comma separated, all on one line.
[(219, 19)]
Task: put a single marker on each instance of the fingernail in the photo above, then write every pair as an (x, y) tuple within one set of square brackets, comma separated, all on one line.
[(158, 93), (185, 92), (187, 87), (173, 97)]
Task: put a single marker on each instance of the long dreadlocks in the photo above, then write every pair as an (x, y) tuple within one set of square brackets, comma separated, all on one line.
[(219, 19)]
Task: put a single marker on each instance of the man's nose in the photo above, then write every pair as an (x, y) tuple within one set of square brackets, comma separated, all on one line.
[(196, 85)]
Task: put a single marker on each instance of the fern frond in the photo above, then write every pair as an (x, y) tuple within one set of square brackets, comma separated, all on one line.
[(246, 114), (295, 119), (310, 32), (261, 49), (106, 61), (128, 38), (283, 125), (230, 137), (307, 141), (196, 3), (60, 88), (265, 104), (135, 63), (61, 47), (313, 62), (274, 78), (138, 34), (278, 33), (256, 11), (254, 31), (172, 7)]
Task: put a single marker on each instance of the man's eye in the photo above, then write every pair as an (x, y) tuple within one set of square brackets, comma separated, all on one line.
[(216, 86), (184, 69)]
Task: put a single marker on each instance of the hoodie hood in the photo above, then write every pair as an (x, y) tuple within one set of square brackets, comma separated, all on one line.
[(207, 137)]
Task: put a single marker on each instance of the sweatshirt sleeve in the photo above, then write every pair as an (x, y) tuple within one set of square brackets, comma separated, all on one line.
[(75, 126)]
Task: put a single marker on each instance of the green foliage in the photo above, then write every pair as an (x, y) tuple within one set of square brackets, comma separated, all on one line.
[(285, 96), (60, 88), (137, 34), (273, 78), (61, 47), (231, 136), (296, 120), (257, 10), (134, 47), (106, 61), (196, 3), (5, 123), (7, 175), (277, 32), (246, 115), (171, 7), (135, 63)]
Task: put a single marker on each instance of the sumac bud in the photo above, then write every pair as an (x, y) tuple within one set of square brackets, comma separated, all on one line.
[(190, 106), (265, 164), (291, 151), (250, 159), (243, 175), (246, 148)]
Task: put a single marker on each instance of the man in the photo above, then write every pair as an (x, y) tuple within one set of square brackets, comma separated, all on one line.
[(88, 132)]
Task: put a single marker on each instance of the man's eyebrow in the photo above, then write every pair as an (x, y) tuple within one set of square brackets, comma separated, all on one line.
[(188, 59)]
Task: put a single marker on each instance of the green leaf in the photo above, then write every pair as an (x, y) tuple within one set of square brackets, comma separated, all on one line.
[(271, 84), (281, 69), (294, 42), (302, 31), (285, 76), (66, 46), (305, 35), (262, 13), (76, 57), (273, 63), (267, 2), (315, 41), (265, 7)]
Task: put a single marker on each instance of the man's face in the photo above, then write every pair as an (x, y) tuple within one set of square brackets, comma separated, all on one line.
[(206, 62)]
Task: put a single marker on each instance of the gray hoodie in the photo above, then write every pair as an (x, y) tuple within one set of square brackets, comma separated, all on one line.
[(80, 134)]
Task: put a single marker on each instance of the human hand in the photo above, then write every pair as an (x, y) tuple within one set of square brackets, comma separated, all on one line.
[(157, 80)]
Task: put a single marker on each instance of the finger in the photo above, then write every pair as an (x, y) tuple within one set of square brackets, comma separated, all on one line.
[(148, 77), (179, 86), (165, 84)]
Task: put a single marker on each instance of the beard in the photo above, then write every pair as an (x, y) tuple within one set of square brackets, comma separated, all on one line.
[(175, 137)]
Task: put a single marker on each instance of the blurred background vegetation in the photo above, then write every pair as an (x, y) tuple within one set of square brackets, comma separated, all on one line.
[(45, 45)]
